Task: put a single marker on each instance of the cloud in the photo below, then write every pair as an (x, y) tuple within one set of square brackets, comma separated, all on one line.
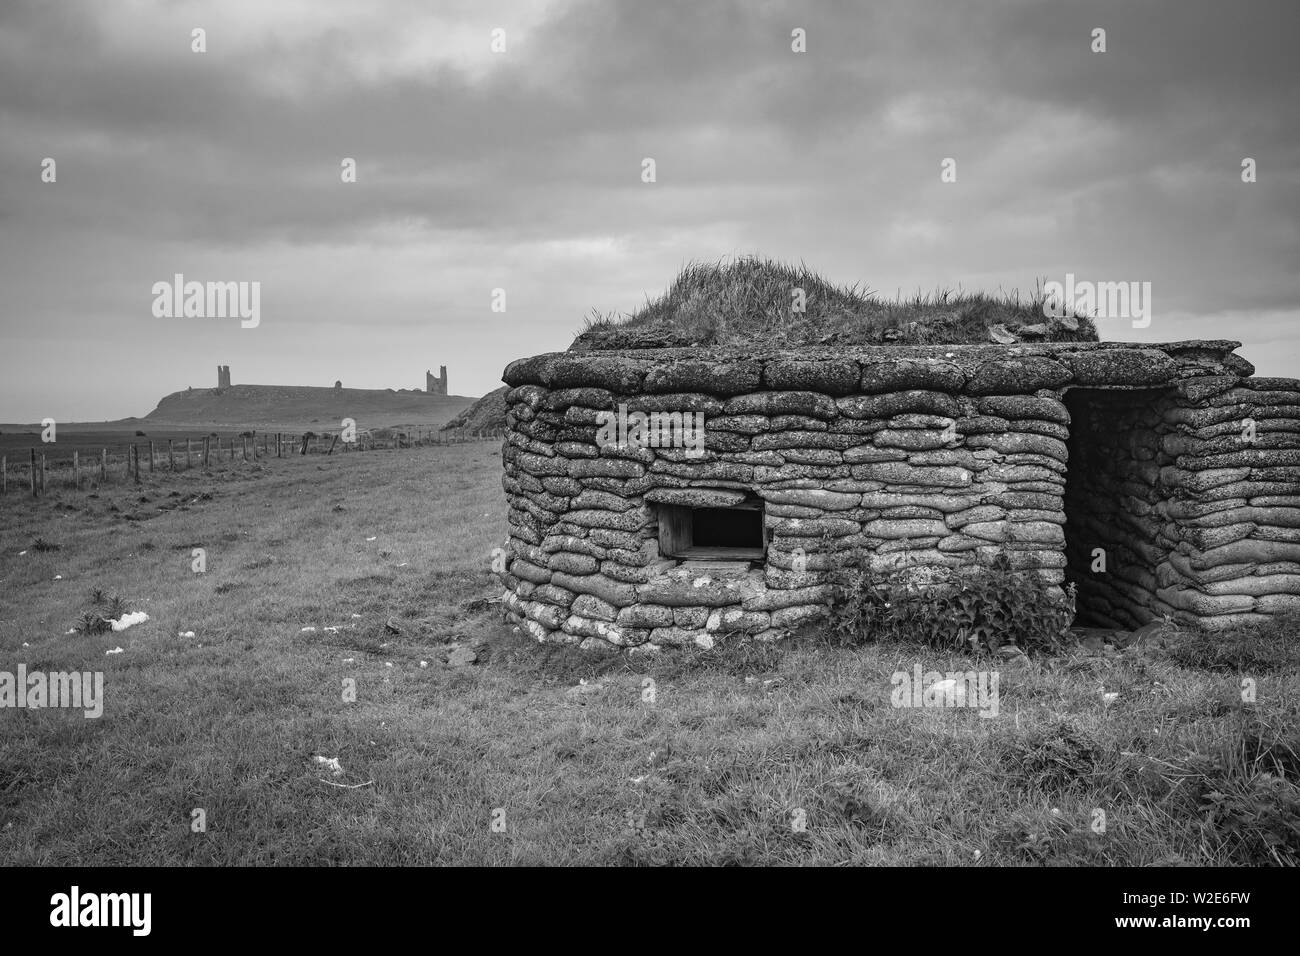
[(522, 170)]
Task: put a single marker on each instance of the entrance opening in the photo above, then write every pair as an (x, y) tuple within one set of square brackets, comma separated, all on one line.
[(1112, 496), (713, 534)]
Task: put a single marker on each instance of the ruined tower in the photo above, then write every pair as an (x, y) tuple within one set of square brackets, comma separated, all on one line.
[(436, 384), (223, 376)]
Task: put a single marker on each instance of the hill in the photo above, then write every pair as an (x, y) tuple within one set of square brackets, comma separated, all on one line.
[(265, 406), (749, 300), (487, 414)]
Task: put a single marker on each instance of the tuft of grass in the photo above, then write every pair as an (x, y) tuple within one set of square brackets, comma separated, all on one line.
[(92, 623), (1259, 648), (1054, 756), (1245, 787), (742, 658), (40, 544), (749, 299)]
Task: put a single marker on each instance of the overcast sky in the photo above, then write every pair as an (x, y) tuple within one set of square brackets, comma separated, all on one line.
[(522, 170)]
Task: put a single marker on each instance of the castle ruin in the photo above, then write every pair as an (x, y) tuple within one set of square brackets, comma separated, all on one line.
[(223, 376), (436, 384)]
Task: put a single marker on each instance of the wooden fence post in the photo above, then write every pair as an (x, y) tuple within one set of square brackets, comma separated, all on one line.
[(4, 474), (207, 441), (187, 454), (171, 458), (151, 457), (103, 465), (33, 474), (76, 471), (42, 472)]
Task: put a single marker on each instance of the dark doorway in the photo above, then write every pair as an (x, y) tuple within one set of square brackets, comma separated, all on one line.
[(1113, 499)]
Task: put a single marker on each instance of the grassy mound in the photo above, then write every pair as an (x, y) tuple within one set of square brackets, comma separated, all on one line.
[(486, 415), (750, 300)]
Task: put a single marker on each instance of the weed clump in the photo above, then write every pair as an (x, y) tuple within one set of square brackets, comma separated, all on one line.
[(978, 608), (92, 623), (1053, 758), (1247, 788)]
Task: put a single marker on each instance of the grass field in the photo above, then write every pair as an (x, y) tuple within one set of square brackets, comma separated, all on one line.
[(755, 754), (17, 441)]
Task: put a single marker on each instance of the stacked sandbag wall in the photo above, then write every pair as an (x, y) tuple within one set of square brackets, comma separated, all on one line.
[(1192, 495), (941, 459), (1233, 489)]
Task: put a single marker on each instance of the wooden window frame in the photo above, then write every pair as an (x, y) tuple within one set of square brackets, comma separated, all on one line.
[(677, 535)]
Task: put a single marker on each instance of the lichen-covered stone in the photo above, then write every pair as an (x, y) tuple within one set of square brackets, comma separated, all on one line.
[(815, 498), (614, 592), (688, 588), (897, 403), (834, 377), (791, 617), (905, 374), (1120, 367), (590, 606), (696, 497), (1014, 374), (571, 563), (714, 378), (646, 615), (812, 404), (735, 620)]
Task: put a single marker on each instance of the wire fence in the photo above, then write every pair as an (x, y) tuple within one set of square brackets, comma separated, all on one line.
[(38, 470)]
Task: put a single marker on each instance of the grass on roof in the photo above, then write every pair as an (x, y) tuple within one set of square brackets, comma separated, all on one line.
[(749, 300)]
